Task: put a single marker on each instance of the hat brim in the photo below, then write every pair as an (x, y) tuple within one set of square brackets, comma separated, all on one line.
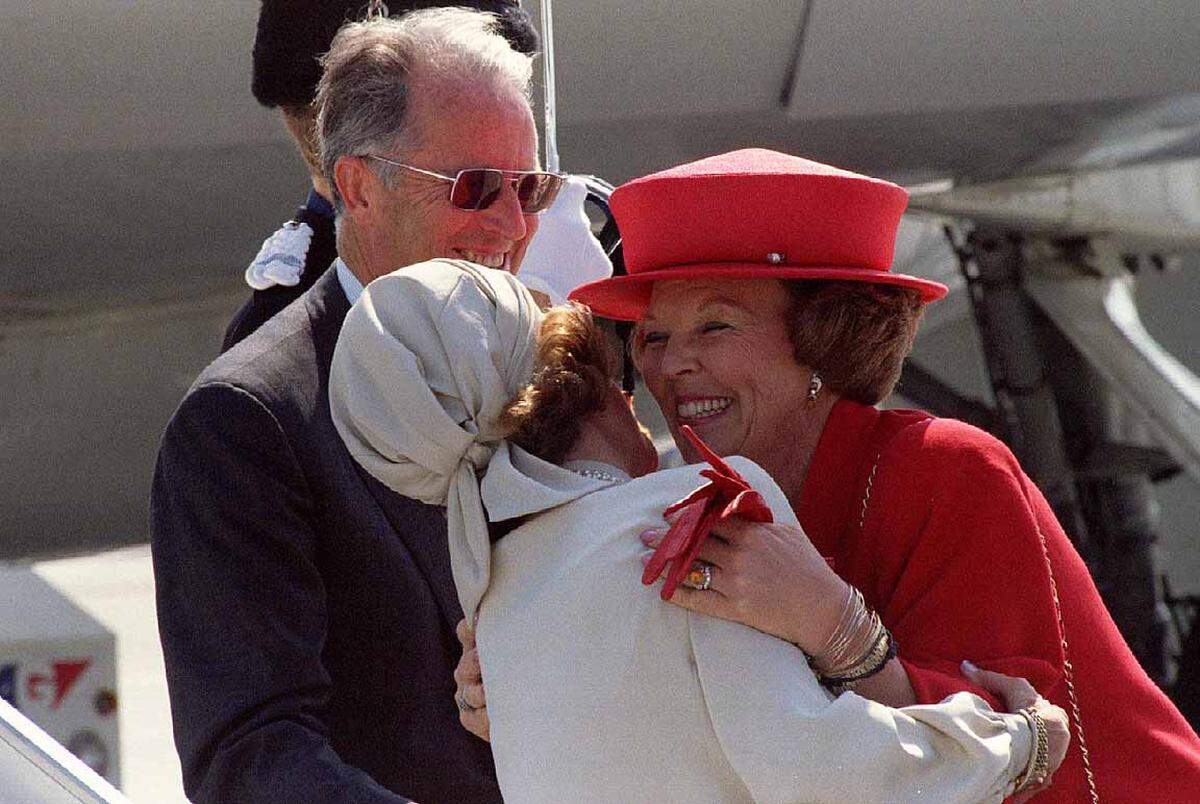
[(625, 298)]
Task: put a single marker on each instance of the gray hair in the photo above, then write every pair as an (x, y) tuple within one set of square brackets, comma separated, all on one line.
[(362, 99)]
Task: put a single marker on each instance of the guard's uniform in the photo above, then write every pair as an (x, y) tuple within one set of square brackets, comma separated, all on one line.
[(309, 256)]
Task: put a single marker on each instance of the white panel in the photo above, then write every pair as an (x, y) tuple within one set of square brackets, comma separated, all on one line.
[(881, 56), (622, 59), (137, 74)]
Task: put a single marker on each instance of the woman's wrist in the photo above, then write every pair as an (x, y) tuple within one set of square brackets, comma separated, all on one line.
[(1037, 768), (822, 622), (890, 686), (856, 649)]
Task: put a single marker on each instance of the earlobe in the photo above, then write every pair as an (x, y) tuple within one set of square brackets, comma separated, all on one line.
[(354, 180)]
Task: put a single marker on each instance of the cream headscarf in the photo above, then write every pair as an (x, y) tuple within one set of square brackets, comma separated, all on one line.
[(425, 362)]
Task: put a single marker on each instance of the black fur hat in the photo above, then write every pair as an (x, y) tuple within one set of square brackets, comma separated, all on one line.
[(293, 34)]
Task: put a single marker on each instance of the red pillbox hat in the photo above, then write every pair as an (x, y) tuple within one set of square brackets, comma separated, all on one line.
[(752, 214)]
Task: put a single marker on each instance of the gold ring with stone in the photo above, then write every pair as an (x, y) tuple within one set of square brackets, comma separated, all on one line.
[(700, 578)]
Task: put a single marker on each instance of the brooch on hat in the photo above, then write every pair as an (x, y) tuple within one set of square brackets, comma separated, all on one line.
[(280, 261)]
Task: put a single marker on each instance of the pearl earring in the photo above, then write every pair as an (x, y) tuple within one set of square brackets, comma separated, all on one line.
[(814, 387)]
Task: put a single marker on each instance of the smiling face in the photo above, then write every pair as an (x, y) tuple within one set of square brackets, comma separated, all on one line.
[(456, 127), (716, 356)]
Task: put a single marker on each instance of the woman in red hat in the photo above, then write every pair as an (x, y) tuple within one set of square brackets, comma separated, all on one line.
[(769, 323)]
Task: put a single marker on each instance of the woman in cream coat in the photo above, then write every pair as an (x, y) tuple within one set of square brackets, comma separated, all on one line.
[(596, 690)]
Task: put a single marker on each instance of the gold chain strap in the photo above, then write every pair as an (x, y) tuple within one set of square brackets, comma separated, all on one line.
[(1069, 675), (862, 518), (1068, 669)]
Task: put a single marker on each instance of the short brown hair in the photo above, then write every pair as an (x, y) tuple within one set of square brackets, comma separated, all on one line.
[(854, 334), (364, 95), (574, 369), (301, 121)]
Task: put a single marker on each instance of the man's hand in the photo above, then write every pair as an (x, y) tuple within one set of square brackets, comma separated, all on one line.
[(470, 696)]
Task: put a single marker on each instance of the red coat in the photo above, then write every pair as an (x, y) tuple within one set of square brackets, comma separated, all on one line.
[(949, 555)]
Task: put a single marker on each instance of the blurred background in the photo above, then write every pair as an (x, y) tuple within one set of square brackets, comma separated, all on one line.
[(1053, 150)]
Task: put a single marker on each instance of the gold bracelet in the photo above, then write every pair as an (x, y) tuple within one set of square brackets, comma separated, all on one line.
[(1038, 766), (835, 642), (852, 640), (861, 650), (849, 630), (882, 652)]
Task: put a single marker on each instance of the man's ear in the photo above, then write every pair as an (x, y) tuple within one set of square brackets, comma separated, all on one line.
[(355, 184)]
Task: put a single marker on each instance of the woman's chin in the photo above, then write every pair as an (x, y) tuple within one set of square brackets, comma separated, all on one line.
[(712, 432)]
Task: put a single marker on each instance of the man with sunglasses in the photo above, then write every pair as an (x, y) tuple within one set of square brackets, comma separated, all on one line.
[(307, 612), (291, 36)]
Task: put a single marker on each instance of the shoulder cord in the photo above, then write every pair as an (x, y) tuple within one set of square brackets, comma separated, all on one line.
[(1068, 670)]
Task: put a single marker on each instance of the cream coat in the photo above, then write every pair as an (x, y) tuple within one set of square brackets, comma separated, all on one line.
[(599, 691)]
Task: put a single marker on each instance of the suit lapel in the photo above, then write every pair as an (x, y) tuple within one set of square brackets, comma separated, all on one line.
[(421, 528), (327, 308)]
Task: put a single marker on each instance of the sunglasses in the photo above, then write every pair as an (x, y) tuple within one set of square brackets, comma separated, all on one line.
[(478, 188)]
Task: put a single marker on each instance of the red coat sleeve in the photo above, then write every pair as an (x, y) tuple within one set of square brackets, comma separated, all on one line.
[(956, 567)]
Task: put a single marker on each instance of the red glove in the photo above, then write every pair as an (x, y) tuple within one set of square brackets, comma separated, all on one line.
[(726, 494)]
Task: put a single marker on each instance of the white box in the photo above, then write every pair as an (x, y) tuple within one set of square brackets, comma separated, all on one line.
[(58, 668)]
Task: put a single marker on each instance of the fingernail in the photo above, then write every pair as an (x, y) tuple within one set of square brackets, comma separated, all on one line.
[(969, 666), (648, 536)]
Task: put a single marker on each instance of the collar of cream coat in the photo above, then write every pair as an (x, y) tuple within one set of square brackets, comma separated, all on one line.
[(519, 484)]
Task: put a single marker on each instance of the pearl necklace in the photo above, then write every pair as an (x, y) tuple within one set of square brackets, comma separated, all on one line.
[(600, 474)]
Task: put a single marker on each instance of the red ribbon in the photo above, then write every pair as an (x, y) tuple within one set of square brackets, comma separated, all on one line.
[(726, 494)]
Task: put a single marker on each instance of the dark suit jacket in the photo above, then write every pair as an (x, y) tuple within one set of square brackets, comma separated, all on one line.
[(306, 611), (264, 304)]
